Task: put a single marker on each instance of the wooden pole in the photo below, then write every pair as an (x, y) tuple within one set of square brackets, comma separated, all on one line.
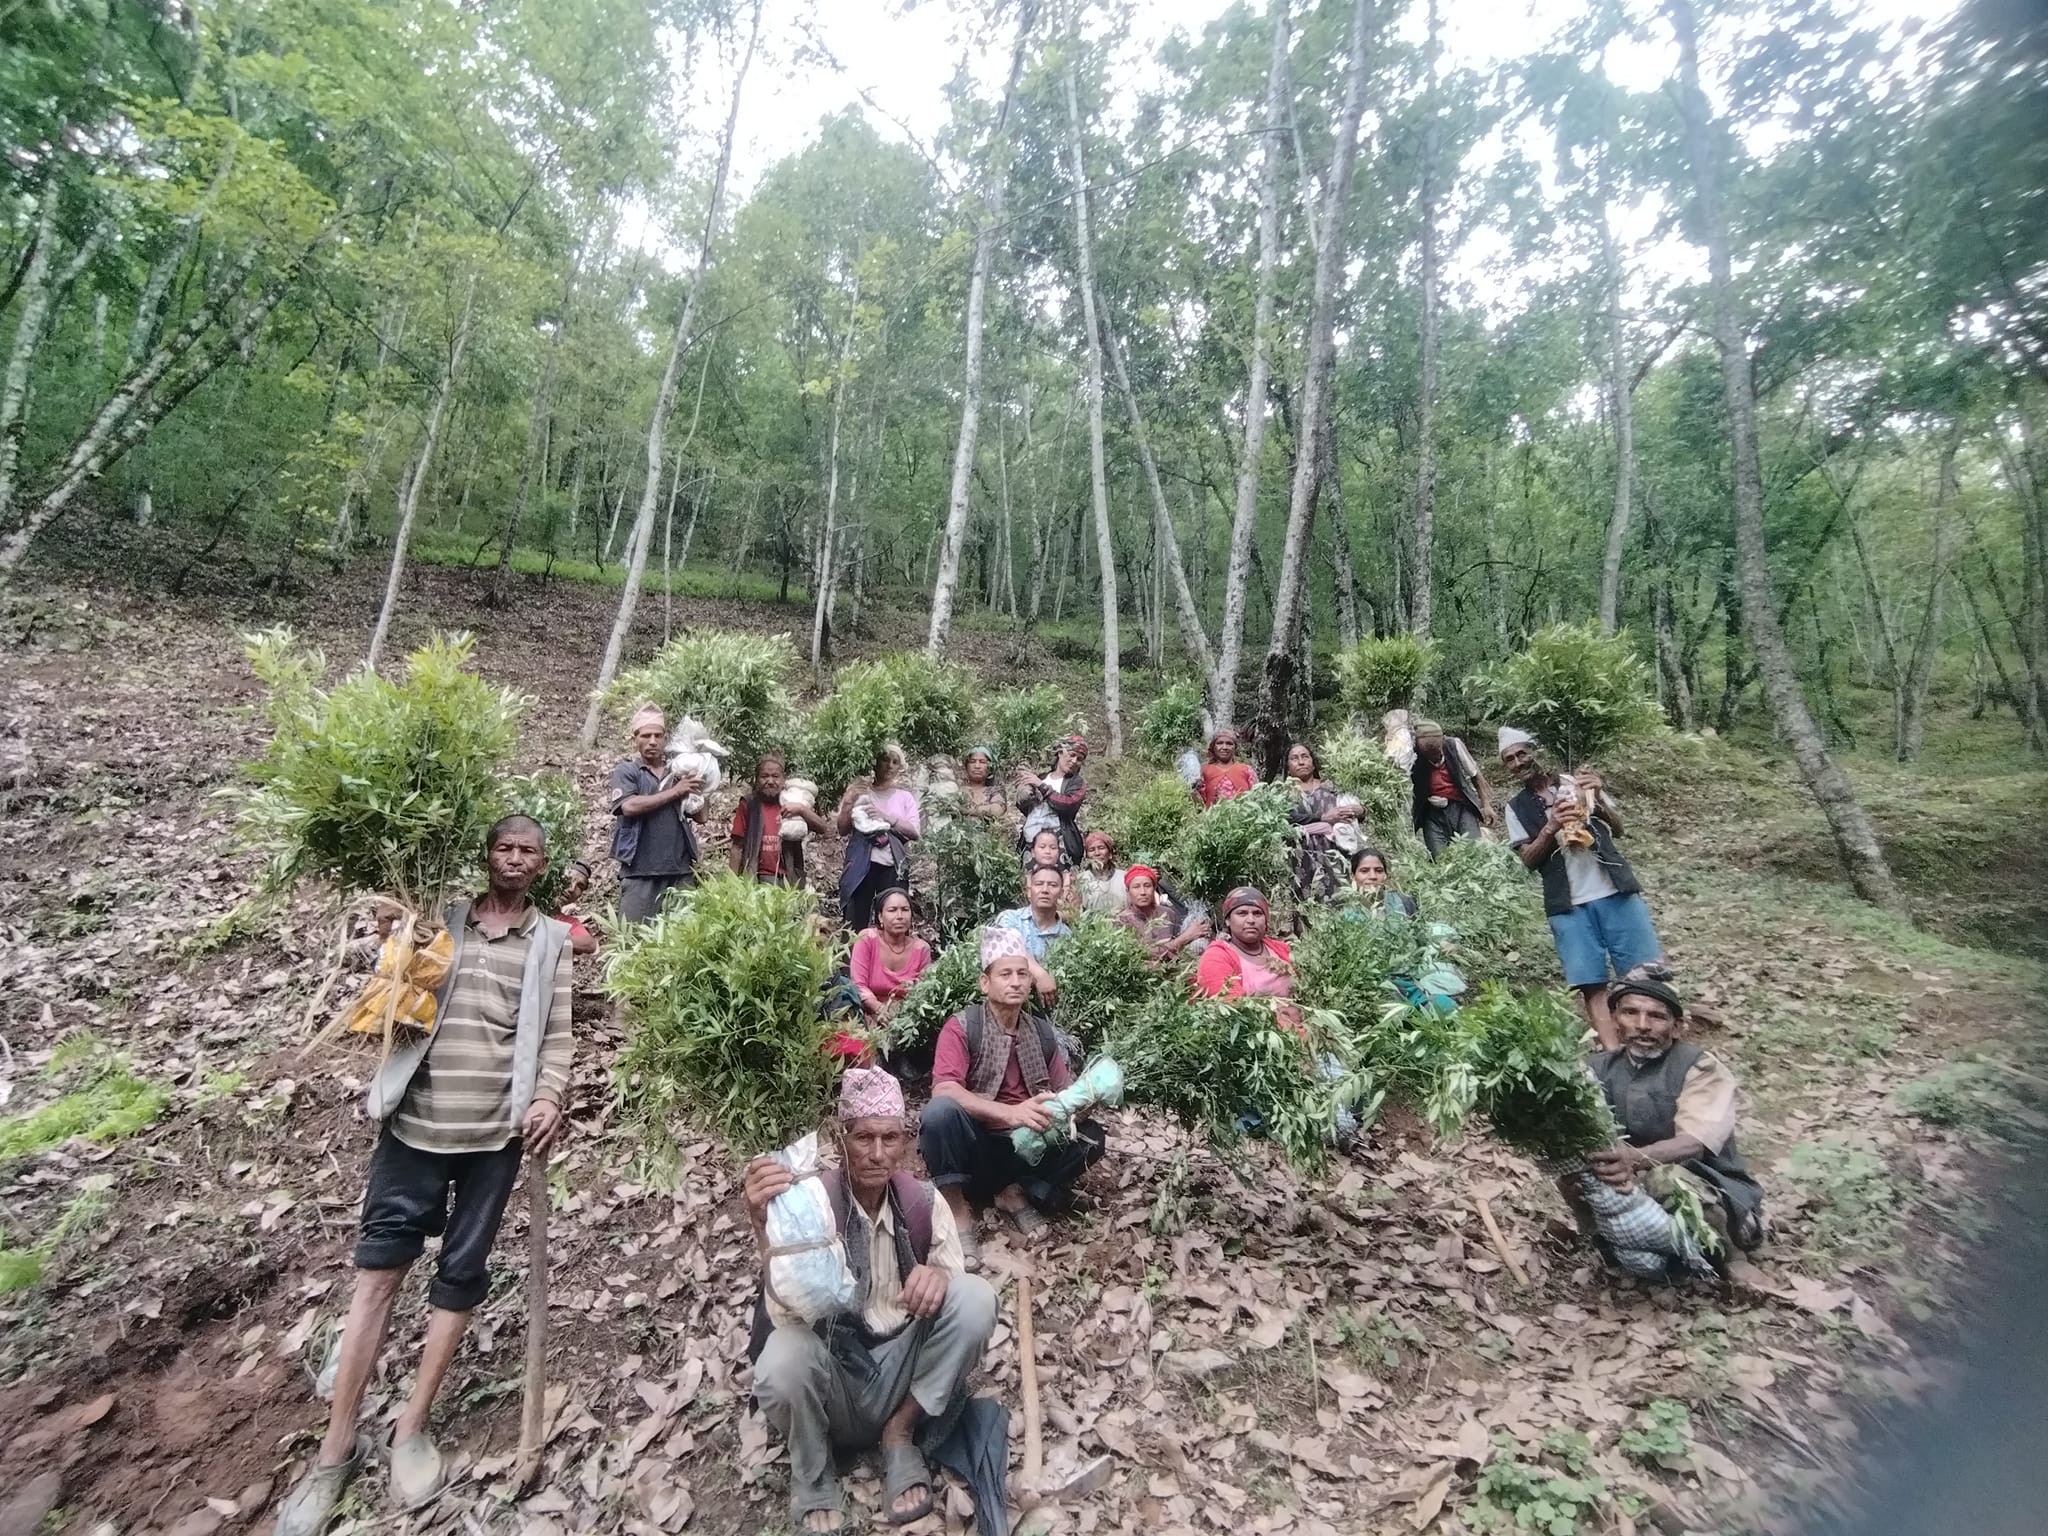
[(1027, 1376), (533, 1414), (1500, 1245)]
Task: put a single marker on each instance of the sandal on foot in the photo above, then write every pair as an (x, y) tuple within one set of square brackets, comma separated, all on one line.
[(308, 1507), (1029, 1222), (903, 1469), (418, 1472)]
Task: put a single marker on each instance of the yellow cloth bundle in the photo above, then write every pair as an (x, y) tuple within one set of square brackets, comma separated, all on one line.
[(410, 970)]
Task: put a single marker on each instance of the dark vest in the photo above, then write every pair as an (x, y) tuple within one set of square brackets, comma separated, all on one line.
[(1531, 812), (1420, 770), (974, 1021), (1644, 1098)]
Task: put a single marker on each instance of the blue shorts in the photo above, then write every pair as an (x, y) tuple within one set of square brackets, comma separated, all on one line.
[(1615, 928)]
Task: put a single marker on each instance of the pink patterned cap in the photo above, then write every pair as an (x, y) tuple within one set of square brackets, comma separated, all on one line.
[(869, 1093), (999, 943)]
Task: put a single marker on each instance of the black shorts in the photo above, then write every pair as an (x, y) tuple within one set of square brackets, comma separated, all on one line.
[(407, 1203)]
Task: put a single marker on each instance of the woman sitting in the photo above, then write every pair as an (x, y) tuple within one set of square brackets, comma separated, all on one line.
[(1371, 877), (1101, 883), (1055, 799), (888, 957), (1158, 921), (1223, 776), (1243, 961)]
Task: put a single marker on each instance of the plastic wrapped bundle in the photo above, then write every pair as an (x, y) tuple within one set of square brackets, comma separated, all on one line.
[(1189, 766), (1102, 1082), (1644, 1238), (807, 1270), (797, 794)]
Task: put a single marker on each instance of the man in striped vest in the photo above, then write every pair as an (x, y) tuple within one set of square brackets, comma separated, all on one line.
[(459, 1109)]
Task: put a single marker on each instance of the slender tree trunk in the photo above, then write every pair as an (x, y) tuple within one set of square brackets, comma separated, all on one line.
[(995, 179), (1275, 703), (1989, 645), (1192, 634), (1854, 835), (1329, 483), (1619, 379), (1105, 544), (643, 522), (1422, 534), (416, 482), (1927, 641), (1230, 643), (668, 533), (822, 598), (28, 335)]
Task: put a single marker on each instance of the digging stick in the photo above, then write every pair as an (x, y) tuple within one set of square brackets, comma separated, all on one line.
[(1500, 1245), (1027, 1378), (533, 1412)]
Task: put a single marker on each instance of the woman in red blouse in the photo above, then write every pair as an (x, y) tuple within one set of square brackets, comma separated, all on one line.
[(1223, 776)]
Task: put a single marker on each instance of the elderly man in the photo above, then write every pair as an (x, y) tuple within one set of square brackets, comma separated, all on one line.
[(1451, 795), (993, 1071), (893, 1369), (652, 839), (460, 1108), (1038, 923), (1591, 897), (1675, 1104)]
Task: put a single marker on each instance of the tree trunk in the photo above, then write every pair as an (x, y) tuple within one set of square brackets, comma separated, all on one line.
[(1192, 634), (1620, 391), (1330, 484), (668, 534), (822, 598), (1422, 533), (1854, 836), (416, 482), (1271, 729), (1105, 545), (1229, 646), (995, 178), (664, 402), (1927, 642)]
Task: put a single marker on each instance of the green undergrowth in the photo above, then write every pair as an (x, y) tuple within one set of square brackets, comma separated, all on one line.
[(27, 1266), (698, 581), (104, 1101)]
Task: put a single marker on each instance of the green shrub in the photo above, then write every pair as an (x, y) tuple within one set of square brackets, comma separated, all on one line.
[(376, 786), (1578, 691), (1661, 1434), (1241, 841), (1382, 673), (722, 1002), (1513, 1495), (553, 800), (103, 1101), (734, 685), (976, 874), (1148, 816), (1172, 722), (1528, 1055), (1481, 890), (923, 707), (1105, 973), (1356, 763), (1963, 1093), (950, 983), (1021, 724)]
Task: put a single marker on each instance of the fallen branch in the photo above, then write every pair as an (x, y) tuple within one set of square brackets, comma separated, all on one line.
[(1500, 1245), (1027, 1378), (533, 1412)]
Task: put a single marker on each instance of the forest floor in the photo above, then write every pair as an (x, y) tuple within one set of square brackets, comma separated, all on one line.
[(1254, 1352)]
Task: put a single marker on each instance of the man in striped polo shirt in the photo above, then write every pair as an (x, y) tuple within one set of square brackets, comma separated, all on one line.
[(459, 1108)]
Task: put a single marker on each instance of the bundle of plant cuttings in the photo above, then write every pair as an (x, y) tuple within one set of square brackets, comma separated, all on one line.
[(735, 685), (1241, 841), (1104, 973)]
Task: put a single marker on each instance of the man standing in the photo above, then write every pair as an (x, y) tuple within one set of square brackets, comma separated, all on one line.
[(1452, 797), (652, 839), (459, 1108), (1675, 1104), (899, 1360), (1590, 895), (757, 842), (993, 1071), (1038, 923)]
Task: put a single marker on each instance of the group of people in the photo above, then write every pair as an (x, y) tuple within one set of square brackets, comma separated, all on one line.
[(460, 1109)]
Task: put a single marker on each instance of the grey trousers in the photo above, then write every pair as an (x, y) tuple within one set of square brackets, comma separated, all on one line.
[(1441, 823), (641, 896), (816, 1405)]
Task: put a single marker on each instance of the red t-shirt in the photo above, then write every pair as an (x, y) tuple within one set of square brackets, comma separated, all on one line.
[(950, 1063), (1441, 784), (1225, 781), (771, 835)]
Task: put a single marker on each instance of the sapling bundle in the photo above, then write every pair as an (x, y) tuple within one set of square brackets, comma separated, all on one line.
[(1021, 724), (1382, 673), (1241, 841), (974, 876), (384, 790), (1356, 764), (1172, 722), (553, 800), (1578, 690), (722, 998), (921, 706), (1481, 889), (1533, 1086), (1148, 817), (736, 686), (950, 983), (1104, 972)]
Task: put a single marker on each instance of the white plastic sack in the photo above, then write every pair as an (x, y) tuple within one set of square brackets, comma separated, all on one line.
[(797, 793), (807, 1270)]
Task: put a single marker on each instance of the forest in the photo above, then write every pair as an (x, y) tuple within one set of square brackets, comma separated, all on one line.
[(1296, 333)]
